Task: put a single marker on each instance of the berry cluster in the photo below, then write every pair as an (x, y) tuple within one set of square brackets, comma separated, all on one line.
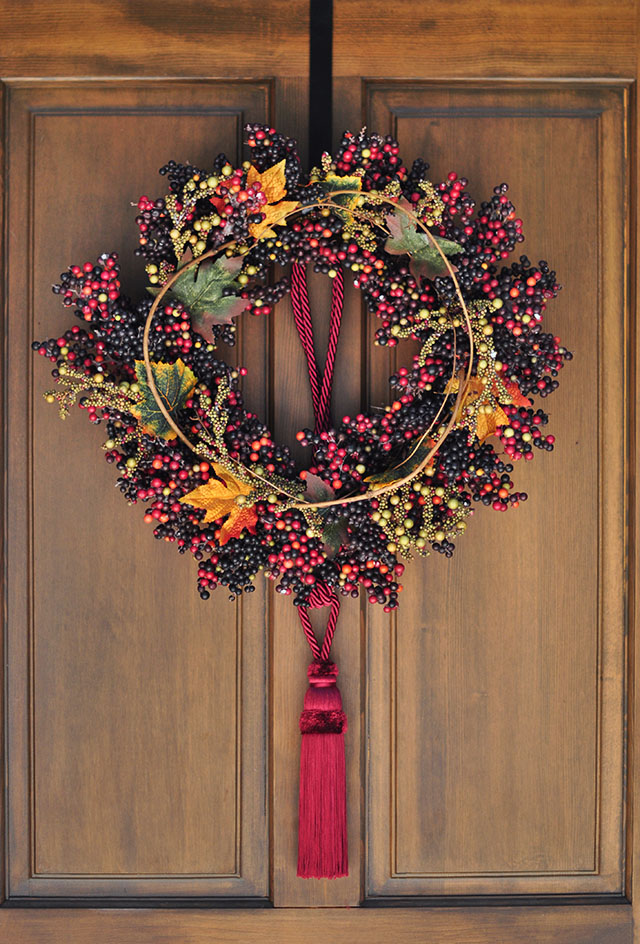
[(236, 501)]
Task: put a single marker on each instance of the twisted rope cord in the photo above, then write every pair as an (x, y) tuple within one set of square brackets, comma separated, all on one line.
[(320, 389), (337, 299), (321, 595)]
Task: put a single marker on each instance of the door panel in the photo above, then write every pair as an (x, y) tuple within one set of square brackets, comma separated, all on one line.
[(496, 698), (137, 718)]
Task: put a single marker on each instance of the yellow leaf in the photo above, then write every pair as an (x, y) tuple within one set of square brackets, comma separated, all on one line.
[(274, 186), (487, 423), (474, 388), (218, 498), (274, 216), (501, 417), (272, 181)]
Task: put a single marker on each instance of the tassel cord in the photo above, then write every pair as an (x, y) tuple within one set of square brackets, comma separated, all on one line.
[(321, 595), (320, 387)]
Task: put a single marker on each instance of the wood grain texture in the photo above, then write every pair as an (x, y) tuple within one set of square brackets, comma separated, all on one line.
[(633, 795), (496, 701), (138, 713), (553, 925), (495, 38), (248, 38), (3, 503)]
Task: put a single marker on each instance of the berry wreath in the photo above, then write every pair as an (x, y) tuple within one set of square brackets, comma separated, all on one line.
[(380, 485)]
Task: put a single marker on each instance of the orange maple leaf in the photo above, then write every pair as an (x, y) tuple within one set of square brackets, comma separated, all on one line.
[(517, 398), (238, 520), (274, 186), (475, 387), (218, 497), (487, 423)]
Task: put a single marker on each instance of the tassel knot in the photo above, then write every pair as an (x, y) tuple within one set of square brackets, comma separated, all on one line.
[(322, 673)]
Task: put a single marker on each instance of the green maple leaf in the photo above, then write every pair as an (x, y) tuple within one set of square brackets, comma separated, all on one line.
[(334, 533), (203, 293), (333, 183), (175, 384), (316, 490), (409, 465), (405, 239)]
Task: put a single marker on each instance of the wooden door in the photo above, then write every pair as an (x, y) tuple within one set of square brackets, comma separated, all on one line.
[(153, 762)]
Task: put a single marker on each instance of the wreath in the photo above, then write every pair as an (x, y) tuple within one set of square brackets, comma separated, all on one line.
[(390, 482)]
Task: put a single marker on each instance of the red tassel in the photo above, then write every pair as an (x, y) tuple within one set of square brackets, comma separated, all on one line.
[(322, 829)]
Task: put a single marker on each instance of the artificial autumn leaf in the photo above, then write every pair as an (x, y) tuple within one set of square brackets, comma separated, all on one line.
[(187, 256), (333, 183), (487, 423), (517, 398), (272, 181), (175, 384), (274, 215), (219, 204), (317, 490), (409, 465), (201, 292), (218, 498), (474, 388), (274, 186), (405, 239), (237, 522), (334, 533)]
